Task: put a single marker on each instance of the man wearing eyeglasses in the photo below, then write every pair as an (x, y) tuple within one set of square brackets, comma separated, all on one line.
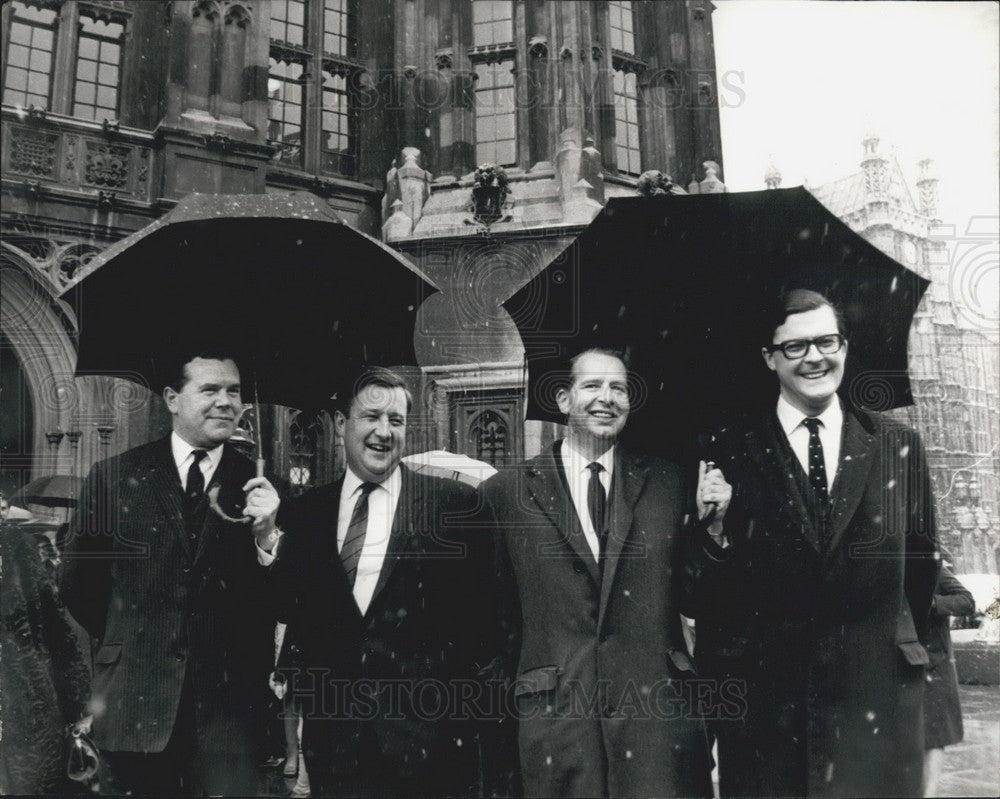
[(812, 586)]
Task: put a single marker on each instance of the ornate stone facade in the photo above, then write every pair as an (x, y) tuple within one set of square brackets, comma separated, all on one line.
[(577, 103), (954, 358)]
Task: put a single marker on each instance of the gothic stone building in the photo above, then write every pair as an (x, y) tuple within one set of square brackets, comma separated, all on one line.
[(953, 353), (113, 110)]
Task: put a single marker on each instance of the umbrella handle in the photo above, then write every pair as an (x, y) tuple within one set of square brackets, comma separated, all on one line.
[(260, 467)]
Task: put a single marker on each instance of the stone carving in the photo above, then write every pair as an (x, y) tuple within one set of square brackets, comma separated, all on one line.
[(142, 173), (592, 169), (414, 184), (711, 184), (209, 9), (107, 165), (538, 47), (444, 59), (654, 183), (398, 225), (32, 153), (238, 15), (70, 144), (489, 194)]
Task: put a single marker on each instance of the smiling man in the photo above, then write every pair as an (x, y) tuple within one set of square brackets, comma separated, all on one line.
[(812, 586), (603, 691), (172, 592), (382, 579)]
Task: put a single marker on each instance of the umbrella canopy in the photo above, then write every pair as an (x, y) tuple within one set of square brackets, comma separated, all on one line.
[(453, 465), (684, 282), (299, 296), (53, 491)]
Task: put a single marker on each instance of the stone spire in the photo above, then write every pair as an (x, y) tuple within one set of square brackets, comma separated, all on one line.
[(927, 185), (875, 167), (772, 175)]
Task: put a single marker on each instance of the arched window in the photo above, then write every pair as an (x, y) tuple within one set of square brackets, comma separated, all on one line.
[(27, 78), (627, 123), (313, 119), (492, 57), (305, 437), (490, 438)]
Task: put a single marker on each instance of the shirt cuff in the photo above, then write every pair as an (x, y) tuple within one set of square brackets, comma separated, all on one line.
[(265, 558)]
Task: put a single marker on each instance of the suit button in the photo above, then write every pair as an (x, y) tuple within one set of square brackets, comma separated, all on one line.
[(179, 657), (579, 568)]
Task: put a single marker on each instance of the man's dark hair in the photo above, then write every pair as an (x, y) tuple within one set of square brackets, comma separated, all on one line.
[(565, 377), (796, 301), (371, 376), (173, 372)]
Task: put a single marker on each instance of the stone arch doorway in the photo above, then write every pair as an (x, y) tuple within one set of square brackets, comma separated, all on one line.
[(40, 355)]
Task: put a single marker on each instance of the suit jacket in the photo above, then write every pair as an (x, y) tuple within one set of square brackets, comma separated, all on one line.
[(163, 609), (823, 640), (406, 673), (605, 688), (942, 711)]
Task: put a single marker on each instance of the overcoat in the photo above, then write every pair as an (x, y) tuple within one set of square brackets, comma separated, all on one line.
[(942, 710), (605, 691), (821, 637), (409, 673), (163, 608)]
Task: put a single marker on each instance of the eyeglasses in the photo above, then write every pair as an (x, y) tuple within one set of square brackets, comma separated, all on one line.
[(797, 348)]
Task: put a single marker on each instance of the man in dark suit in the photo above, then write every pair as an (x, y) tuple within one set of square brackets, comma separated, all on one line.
[(172, 592), (814, 580), (605, 690), (384, 582)]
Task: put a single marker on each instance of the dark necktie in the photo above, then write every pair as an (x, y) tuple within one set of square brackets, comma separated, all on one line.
[(597, 502), (354, 541), (817, 464), (195, 485)]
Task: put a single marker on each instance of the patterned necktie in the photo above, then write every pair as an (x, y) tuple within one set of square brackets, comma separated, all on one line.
[(596, 503), (354, 541), (817, 463), (195, 485)]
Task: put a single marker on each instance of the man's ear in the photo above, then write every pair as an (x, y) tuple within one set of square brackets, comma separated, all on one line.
[(562, 401), (768, 357), (339, 420), (170, 397)]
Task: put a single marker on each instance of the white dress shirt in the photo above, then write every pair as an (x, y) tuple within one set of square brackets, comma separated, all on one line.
[(382, 503), (578, 476), (183, 459), (830, 427)]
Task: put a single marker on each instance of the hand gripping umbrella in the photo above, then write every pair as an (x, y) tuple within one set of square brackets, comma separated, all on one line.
[(299, 296)]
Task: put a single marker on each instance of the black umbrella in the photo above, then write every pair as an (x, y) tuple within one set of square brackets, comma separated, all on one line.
[(682, 282), (281, 280)]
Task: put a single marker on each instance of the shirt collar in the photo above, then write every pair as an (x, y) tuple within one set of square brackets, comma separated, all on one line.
[(790, 417), (182, 451), (392, 484), (574, 461)]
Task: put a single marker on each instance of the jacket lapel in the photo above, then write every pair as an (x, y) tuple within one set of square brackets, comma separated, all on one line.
[(857, 454), (161, 475), (230, 499), (407, 520), (546, 490), (627, 482), (769, 448)]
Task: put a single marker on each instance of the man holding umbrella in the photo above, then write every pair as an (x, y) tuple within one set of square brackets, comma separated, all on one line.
[(604, 690), (162, 570), (813, 583)]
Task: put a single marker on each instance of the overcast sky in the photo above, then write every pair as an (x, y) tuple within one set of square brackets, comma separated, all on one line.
[(802, 81)]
